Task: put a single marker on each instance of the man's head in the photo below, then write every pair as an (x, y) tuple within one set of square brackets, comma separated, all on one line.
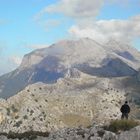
[(126, 102)]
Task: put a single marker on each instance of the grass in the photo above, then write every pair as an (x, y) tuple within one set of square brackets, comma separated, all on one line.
[(74, 120), (121, 125)]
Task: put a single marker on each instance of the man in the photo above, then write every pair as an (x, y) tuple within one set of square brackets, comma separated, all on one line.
[(125, 109)]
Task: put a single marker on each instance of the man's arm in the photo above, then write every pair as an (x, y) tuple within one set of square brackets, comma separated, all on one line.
[(121, 109), (128, 109)]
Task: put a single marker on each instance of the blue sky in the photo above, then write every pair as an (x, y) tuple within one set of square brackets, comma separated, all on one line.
[(29, 24)]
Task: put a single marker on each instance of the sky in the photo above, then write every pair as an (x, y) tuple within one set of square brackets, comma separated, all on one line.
[(26, 25)]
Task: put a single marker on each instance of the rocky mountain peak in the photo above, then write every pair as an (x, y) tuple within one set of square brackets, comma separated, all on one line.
[(70, 58), (68, 84)]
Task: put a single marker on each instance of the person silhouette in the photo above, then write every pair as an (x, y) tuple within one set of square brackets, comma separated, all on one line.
[(125, 109)]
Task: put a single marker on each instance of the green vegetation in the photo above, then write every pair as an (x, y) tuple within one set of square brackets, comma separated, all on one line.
[(8, 111), (31, 112), (33, 95), (36, 100), (101, 133), (40, 106), (75, 120), (41, 119), (46, 100), (121, 125), (17, 124), (16, 117), (14, 109), (25, 117), (26, 135)]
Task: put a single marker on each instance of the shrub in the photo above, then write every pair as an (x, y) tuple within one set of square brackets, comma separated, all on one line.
[(33, 95), (14, 109), (121, 125), (16, 117), (17, 124), (36, 100), (101, 133), (31, 112), (41, 119), (8, 111), (30, 135), (82, 133), (25, 117)]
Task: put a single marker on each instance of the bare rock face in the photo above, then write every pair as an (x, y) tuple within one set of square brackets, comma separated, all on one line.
[(68, 59)]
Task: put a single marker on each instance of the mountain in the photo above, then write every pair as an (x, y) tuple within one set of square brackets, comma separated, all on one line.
[(68, 84), (68, 103), (67, 59)]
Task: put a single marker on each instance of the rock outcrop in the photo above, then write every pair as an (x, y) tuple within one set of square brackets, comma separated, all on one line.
[(79, 133)]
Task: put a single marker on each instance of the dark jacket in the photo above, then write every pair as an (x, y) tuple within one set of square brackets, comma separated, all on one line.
[(125, 108)]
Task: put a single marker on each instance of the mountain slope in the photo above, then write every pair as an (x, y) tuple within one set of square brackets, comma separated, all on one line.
[(49, 64), (70, 102)]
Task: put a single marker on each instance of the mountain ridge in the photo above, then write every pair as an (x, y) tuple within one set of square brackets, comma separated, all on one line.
[(49, 64), (70, 84)]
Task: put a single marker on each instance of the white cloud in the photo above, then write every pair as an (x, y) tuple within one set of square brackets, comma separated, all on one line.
[(84, 13), (9, 63), (102, 30), (80, 9), (75, 8), (15, 60)]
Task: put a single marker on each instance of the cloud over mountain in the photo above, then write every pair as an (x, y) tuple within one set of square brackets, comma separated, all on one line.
[(103, 30), (15, 60), (84, 14), (69, 58)]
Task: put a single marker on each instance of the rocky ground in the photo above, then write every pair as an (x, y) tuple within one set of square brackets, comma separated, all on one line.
[(68, 103), (92, 133)]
